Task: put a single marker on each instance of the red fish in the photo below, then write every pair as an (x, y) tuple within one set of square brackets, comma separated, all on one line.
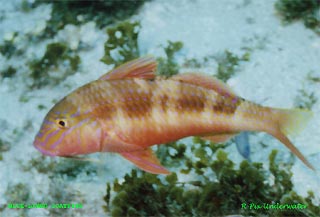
[(129, 109)]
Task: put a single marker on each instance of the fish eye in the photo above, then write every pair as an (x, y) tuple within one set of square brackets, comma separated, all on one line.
[(62, 123)]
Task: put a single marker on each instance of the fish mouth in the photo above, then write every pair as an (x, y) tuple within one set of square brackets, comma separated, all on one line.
[(45, 152)]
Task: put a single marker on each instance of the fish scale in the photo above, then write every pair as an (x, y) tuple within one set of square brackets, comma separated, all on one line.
[(137, 109)]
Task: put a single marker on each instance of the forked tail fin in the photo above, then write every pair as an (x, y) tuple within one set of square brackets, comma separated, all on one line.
[(290, 122)]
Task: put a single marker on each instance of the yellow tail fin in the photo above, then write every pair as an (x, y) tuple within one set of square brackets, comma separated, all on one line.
[(290, 122)]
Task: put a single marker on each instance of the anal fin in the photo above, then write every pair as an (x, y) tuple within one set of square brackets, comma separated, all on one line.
[(219, 138), (145, 160)]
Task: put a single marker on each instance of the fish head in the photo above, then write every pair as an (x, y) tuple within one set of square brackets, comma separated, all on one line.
[(68, 131)]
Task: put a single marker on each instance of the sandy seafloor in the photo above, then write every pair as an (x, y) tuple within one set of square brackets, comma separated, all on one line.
[(280, 60)]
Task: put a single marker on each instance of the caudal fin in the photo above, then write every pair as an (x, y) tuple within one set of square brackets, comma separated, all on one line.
[(290, 122)]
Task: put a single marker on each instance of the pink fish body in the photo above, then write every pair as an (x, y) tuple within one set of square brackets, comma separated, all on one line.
[(128, 110)]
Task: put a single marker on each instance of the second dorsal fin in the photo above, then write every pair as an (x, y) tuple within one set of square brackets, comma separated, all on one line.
[(144, 67), (206, 82)]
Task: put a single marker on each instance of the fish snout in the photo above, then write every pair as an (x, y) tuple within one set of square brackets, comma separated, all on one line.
[(42, 148)]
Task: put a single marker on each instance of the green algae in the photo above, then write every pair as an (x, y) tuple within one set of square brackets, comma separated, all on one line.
[(228, 64), (58, 62), (313, 78), (305, 99), (18, 193), (103, 13), (61, 192), (8, 72), (306, 10), (221, 190), (4, 145), (168, 66), (24, 98), (169, 158), (8, 47), (41, 107), (19, 197), (70, 168), (194, 63), (26, 6), (122, 44)]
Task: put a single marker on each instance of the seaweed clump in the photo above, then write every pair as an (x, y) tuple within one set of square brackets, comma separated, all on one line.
[(122, 44), (4, 146), (8, 48), (77, 12), (57, 57), (305, 100), (306, 10), (228, 63), (168, 66), (313, 78), (18, 195), (70, 168), (8, 72), (222, 189), (61, 192)]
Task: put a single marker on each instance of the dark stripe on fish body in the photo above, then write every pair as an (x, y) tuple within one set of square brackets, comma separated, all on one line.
[(134, 104), (105, 111), (192, 98), (164, 102), (101, 102), (191, 104), (225, 104)]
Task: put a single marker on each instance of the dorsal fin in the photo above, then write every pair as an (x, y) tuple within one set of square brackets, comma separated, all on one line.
[(144, 67), (206, 82)]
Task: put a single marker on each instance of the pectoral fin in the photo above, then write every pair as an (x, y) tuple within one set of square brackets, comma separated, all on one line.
[(146, 161)]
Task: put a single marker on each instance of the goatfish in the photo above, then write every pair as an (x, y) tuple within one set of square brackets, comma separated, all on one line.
[(129, 109)]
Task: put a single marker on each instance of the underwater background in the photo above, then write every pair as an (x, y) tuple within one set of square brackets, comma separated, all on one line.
[(267, 51)]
